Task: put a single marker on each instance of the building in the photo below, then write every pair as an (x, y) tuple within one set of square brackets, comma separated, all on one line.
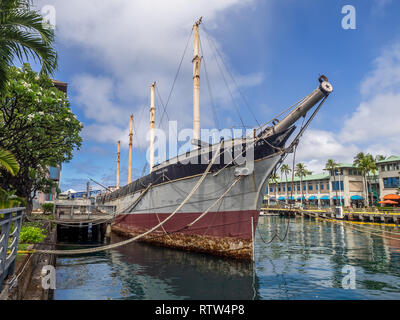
[(389, 176), (344, 186), (54, 174)]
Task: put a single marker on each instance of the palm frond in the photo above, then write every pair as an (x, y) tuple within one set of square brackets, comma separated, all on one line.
[(8, 161)]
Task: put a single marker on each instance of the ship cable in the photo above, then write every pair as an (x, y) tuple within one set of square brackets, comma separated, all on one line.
[(227, 86), (212, 43), (122, 243), (214, 109), (276, 235)]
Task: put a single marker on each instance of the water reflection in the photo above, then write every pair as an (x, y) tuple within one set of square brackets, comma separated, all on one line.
[(307, 265)]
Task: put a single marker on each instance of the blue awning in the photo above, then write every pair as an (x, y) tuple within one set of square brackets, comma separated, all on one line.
[(325, 198), (299, 198), (338, 198), (313, 198), (356, 198), (290, 198), (281, 198)]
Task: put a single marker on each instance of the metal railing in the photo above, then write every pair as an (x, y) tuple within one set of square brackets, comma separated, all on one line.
[(70, 211), (10, 224)]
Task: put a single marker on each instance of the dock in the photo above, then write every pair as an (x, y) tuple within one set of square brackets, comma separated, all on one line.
[(360, 216), (81, 219)]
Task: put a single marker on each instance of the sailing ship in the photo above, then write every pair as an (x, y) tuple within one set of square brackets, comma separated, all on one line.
[(208, 200)]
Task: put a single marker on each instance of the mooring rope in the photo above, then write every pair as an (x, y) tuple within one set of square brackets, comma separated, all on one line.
[(346, 224), (122, 243)]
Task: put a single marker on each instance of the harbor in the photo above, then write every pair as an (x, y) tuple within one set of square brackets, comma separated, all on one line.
[(190, 151), (309, 264)]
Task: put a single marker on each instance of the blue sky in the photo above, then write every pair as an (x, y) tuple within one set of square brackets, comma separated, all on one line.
[(111, 51)]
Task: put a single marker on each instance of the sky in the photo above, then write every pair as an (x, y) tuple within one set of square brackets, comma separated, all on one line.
[(111, 51)]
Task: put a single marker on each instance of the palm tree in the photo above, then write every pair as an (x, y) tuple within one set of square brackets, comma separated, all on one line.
[(285, 169), (8, 162), (7, 198), (301, 172), (331, 166), (274, 179), (379, 157), (22, 35), (365, 163)]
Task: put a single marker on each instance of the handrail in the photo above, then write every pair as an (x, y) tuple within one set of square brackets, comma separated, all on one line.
[(9, 240)]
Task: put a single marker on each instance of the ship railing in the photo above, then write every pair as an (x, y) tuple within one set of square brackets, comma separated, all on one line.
[(10, 224)]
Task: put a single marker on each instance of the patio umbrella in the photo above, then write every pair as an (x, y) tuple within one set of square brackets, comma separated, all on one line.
[(388, 202), (391, 197)]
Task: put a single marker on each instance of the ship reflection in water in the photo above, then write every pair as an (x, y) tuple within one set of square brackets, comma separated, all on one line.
[(309, 264)]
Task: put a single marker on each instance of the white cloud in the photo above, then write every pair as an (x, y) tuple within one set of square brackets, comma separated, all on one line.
[(374, 127), (386, 74), (132, 44), (95, 95), (317, 146), (375, 121)]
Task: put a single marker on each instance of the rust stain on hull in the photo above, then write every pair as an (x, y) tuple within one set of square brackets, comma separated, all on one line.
[(228, 247)]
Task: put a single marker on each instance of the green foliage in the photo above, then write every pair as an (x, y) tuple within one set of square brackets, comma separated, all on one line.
[(301, 170), (22, 35), (8, 162), (38, 127), (47, 208), (30, 234), (8, 199)]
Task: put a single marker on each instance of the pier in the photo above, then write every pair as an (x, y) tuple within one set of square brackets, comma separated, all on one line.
[(80, 218), (384, 217)]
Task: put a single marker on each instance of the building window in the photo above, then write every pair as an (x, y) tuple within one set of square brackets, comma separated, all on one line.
[(391, 182), (322, 186), (279, 189), (271, 189), (335, 186), (298, 187), (383, 167), (284, 189), (310, 187), (289, 188), (304, 188), (396, 166)]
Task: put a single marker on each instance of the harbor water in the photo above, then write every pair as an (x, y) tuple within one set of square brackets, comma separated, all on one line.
[(317, 260)]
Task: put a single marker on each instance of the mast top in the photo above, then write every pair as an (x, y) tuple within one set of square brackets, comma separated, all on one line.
[(198, 22)]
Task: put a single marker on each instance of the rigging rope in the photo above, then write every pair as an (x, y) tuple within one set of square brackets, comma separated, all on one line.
[(122, 243), (229, 90), (209, 87), (232, 77)]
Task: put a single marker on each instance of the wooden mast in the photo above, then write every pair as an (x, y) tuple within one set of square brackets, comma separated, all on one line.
[(118, 162), (152, 121), (196, 83), (130, 149)]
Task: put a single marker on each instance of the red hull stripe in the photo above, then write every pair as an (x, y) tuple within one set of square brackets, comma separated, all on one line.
[(219, 224)]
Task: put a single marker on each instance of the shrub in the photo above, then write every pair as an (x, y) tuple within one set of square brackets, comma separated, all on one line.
[(47, 208), (31, 235)]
